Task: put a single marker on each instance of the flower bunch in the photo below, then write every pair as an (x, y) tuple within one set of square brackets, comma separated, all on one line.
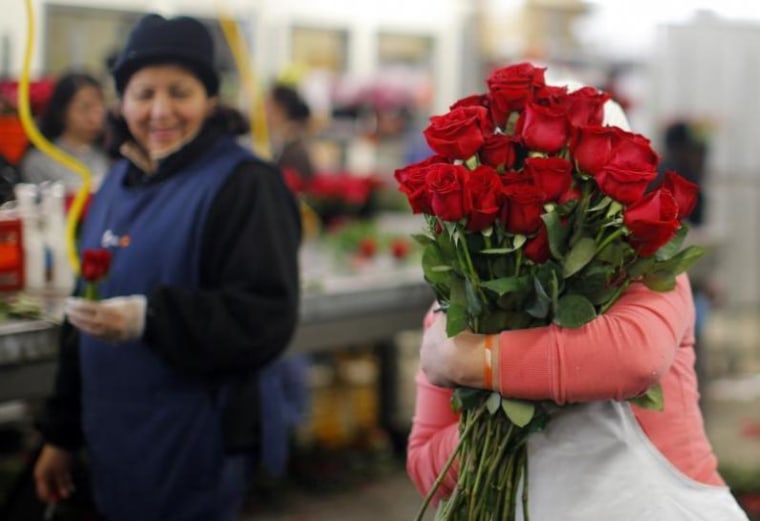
[(536, 212), (95, 266)]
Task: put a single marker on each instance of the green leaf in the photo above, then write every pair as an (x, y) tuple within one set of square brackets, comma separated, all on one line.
[(539, 308), (614, 209), (641, 266), (580, 255), (474, 305), (601, 204), (659, 280), (493, 403), (507, 284), (434, 267), (557, 234), (574, 310), (672, 247), (456, 319), (519, 412), (495, 321), (423, 239), (614, 253), (652, 399)]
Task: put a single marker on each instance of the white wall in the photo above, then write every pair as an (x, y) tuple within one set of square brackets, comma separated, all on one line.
[(271, 19)]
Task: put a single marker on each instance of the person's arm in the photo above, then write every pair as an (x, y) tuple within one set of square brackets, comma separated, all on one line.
[(60, 419), (616, 356), (247, 307)]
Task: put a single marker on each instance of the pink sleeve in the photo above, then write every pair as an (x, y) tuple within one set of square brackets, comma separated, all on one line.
[(434, 436), (616, 356)]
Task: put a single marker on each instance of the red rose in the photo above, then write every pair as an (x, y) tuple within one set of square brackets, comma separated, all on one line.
[(544, 128), (474, 100), (537, 248), (511, 87), (553, 175), (498, 150), (485, 191), (585, 106), (633, 151), (683, 190), (411, 180), (460, 133), (522, 211), (591, 147), (550, 95), (572, 194), (625, 186), (653, 221), (95, 264), (400, 248), (446, 184)]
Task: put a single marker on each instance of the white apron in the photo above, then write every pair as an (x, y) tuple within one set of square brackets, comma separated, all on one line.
[(594, 463)]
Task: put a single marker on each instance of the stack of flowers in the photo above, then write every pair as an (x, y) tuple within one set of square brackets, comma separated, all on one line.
[(535, 213)]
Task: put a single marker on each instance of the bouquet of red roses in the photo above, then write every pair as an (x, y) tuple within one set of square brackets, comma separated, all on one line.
[(536, 212)]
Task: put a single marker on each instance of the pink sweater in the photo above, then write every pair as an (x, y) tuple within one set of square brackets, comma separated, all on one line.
[(645, 337)]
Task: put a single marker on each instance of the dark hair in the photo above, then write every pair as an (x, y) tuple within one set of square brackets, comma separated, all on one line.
[(291, 102), (53, 121)]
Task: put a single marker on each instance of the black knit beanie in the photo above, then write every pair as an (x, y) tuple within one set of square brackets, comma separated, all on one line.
[(155, 40)]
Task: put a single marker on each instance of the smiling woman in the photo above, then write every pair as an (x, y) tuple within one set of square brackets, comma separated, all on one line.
[(161, 379)]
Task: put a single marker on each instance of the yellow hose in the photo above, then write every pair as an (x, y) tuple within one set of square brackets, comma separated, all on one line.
[(45, 146), (257, 116)]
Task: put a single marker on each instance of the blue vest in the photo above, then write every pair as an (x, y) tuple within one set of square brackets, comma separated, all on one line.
[(154, 435)]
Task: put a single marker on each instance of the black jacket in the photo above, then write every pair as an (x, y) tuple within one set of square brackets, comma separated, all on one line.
[(242, 317)]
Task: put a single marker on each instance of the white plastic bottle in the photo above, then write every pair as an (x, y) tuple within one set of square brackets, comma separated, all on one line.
[(54, 212), (34, 243)]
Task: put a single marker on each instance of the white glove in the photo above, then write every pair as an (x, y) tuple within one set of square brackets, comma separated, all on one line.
[(117, 319)]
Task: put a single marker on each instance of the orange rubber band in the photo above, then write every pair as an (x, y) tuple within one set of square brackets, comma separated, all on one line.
[(487, 363)]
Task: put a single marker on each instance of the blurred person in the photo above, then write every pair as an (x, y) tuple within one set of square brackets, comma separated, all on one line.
[(73, 120), (170, 382), (289, 117)]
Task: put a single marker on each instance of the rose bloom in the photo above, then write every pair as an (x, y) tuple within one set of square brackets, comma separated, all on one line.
[(544, 128), (684, 191), (498, 151), (553, 175), (460, 133), (95, 264), (624, 185), (633, 151), (511, 87), (411, 180), (591, 146), (474, 100), (485, 192), (652, 221), (537, 248), (585, 106), (522, 210), (447, 186)]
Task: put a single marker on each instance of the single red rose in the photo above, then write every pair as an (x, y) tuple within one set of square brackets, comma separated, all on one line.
[(585, 106), (474, 100), (543, 128), (652, 221), (623, 185), (95, 264), (460, 133), (552, 175), (511, 87), (523, 208), (537, 248), (400, 248), (633, 152), (591, 147), (411, 181), (447, 187), (573, 194), (550, 95), (367, 247), (486, 196), (498, 151), (683, 190), (293, 180)]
